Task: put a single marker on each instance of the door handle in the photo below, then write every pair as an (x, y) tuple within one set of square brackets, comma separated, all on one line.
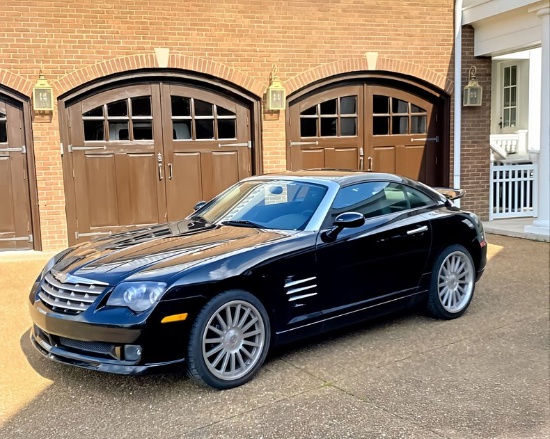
[(418, 230), (170, 171), (369, 159), (159, 160)]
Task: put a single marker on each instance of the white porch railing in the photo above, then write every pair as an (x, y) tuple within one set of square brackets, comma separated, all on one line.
[(513, 191)]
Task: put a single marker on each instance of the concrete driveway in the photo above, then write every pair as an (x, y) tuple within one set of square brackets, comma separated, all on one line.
[(485, 375)]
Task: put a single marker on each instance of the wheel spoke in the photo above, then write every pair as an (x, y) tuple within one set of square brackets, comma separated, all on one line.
[(213, 340), (251, 343), (232, 366), (218, 359), (243, 318), (214, 329), (248, 354), (228, 318), (235, 319), (221, 321), (249, 324), (214, 350), (223, 367), (242, 364), (252, 333)]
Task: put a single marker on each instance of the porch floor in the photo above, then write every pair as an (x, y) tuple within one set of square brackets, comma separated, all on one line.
[(513, 227)]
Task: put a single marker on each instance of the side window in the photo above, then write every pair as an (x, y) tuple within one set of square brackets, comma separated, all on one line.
[(366, 198), (417, 198), (378, 198)]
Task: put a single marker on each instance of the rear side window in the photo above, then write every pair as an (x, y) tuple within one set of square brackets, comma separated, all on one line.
[(377, 198)]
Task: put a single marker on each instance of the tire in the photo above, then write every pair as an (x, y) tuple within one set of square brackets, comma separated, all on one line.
[(452, 284), (229, 340)]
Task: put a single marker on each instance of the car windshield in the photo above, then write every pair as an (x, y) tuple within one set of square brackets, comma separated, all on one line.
[(271, 204)]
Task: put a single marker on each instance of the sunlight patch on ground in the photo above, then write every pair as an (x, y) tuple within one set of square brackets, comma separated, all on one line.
[(20, 384), (492, 250)]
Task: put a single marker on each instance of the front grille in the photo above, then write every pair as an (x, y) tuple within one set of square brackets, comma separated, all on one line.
[(96, 347), (68, 298)]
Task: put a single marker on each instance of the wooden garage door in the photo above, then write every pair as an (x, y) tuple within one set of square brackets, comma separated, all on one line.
[(325, 130), (144, 154), (15, 208), (367, 127)]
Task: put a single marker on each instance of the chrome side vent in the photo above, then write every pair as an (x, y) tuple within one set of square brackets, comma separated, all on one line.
[(301, 288)]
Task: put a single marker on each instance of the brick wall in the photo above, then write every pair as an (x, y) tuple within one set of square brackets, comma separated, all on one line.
[(246, 36)]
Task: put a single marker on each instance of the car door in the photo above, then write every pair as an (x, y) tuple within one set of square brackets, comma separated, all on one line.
[(382, 260)]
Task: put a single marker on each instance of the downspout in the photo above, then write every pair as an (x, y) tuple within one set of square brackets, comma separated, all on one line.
[(458, 97)]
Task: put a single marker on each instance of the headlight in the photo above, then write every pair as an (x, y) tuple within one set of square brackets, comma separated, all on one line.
[(138, 296)]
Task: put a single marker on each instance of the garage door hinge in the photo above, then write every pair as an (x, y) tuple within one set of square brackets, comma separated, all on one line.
[(61, 147)]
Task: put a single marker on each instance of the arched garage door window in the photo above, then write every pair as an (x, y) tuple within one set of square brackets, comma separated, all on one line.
[(147, 153), (372, 127)]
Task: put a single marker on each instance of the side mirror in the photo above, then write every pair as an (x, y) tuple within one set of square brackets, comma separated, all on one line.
[(199, 205), (346, 220)]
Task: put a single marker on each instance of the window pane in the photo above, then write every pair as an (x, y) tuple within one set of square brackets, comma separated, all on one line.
[(399, 106), (180, 106), (93, 130), (143, 130), (396, 200), (400, 125), (205, 128), (117, 109), (97, 112), (348, 126), (203, 108), (310, 111), (3, 132), (366, 198), (118, 131), (415, 109), (417, 199), (507, 76), (506, 117), (380, 125), (308, 127), (328, 127), (223, 112), (141, 106), (328, 107), (506, 97), (513, 96), (512, 117), (513, 76), (381, 104), (226, 129), (348, 105), (181, 129), (418, 124)]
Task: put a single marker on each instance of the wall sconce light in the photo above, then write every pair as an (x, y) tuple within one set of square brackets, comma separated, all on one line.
[(473, 91), (276, 95), (42, 94)]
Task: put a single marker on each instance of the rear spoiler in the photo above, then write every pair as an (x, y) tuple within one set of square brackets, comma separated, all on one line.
[(450, 194)]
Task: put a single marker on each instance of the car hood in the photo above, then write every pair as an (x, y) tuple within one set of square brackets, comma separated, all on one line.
[(160, 251)]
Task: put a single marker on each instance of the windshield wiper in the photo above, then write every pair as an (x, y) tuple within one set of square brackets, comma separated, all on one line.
[(240, 223)]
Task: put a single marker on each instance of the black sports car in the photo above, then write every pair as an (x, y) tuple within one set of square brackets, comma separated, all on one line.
[(272, 259)]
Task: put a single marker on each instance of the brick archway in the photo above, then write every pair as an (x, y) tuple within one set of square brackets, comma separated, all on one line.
[(371, 62), (15, 82), (149, 61)]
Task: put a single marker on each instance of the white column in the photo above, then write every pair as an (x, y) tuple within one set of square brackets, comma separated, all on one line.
[(542, 224)]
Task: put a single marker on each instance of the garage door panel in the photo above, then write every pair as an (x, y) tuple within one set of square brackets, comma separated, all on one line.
[(341, 158), (137, 180), (313, 158), (384, 159), (186, 185), (7, 220), (410, 162), (220, 170), (99, 191)]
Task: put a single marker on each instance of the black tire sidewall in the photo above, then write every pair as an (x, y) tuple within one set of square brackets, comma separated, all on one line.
[(435, 307), (197, 367)]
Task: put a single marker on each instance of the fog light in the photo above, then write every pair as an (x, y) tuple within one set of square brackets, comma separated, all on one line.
[(132, 352)]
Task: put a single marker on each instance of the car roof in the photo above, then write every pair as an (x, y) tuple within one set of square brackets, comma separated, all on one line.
[(341, 177)]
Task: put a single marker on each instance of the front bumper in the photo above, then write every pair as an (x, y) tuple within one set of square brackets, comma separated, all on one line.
[(81, 342), (47, 345)]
